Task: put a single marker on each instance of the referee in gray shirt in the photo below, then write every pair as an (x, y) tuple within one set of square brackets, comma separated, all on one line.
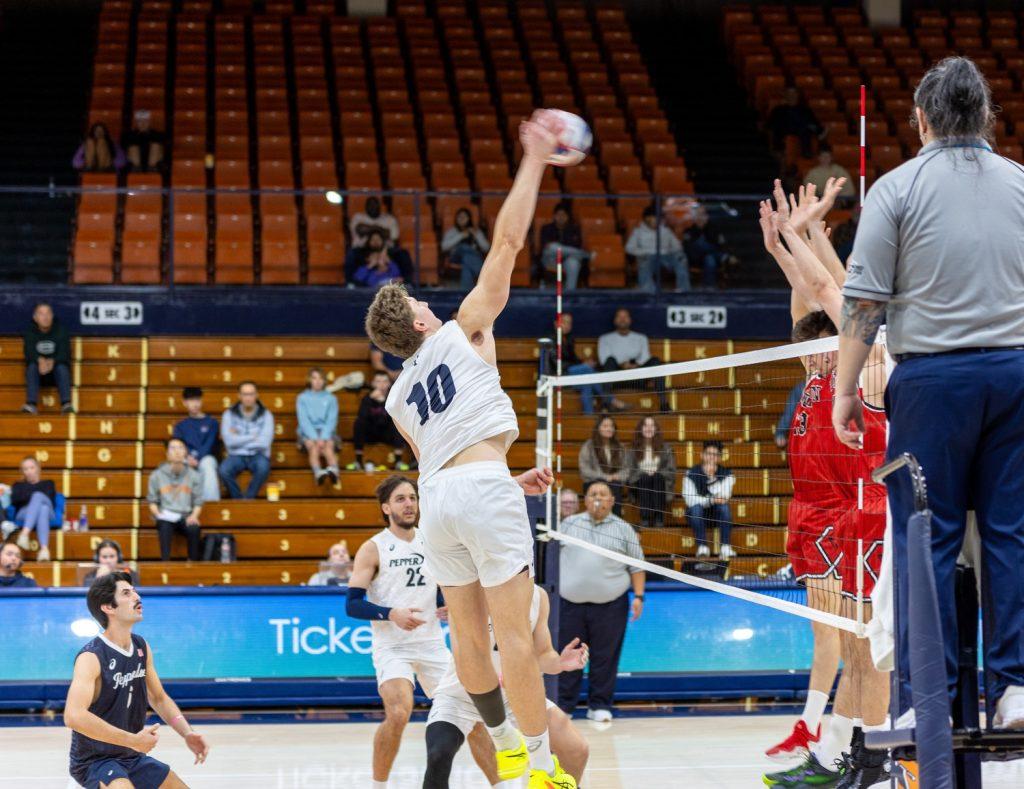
[(939, 258), (595, 598)]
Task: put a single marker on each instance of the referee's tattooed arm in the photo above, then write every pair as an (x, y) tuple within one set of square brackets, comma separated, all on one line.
[(861, 319)]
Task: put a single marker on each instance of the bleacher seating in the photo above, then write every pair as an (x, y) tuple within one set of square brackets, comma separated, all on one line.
[(258, 97), (127, 392), (828, 54)]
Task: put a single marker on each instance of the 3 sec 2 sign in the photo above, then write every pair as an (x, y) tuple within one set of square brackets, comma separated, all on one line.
[(697, 317), (110, 313)]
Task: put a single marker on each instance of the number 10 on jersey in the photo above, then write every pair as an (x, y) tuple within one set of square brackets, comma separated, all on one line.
[(437, 396)]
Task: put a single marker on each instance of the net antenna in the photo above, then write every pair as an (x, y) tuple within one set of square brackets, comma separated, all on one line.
[(716, 393)]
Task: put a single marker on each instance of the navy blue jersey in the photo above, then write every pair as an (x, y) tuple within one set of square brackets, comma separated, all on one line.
[(122, 702)]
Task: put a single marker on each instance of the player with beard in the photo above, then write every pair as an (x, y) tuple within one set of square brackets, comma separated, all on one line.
[(113, 686)]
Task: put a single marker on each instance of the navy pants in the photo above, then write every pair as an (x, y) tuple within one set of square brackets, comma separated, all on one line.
[(699, 518), (602, 626), (962, 416)]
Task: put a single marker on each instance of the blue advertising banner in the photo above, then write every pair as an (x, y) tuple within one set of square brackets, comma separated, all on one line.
[(301, 633)]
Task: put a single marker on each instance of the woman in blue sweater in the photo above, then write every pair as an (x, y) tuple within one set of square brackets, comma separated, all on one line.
[(317, 410)]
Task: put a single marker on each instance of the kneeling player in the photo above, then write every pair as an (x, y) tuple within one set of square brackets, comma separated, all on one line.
[(113, 685), (454, 718)]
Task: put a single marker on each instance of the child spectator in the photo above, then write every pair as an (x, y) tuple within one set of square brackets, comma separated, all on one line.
[(175, 501), (317, 410), (199, 432), (374, 425)]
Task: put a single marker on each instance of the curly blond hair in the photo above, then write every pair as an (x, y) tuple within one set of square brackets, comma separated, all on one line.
[(389, 322)]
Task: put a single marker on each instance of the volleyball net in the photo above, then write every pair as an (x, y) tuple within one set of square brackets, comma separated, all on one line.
[(726, 469)]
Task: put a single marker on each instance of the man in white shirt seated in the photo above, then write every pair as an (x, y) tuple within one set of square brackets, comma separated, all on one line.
[(625, 349)]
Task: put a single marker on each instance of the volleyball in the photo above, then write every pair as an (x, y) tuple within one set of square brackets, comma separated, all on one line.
[(574, 136)]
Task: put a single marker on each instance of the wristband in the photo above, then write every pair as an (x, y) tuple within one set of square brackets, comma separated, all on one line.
[(639, 597)]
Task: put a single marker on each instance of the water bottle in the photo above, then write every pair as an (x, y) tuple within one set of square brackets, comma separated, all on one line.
[(225, 551), (83, 519)]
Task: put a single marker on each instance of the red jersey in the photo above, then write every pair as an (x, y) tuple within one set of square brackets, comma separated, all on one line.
[(850, 466), (813, 445)]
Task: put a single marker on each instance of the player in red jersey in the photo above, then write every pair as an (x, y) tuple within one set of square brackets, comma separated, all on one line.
[(816, 507), (863, 691)]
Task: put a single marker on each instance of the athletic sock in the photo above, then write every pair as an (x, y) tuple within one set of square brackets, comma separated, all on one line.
[(858, 723), (539, 748), (491, 706), (505, 737), (814, 708), (380, 785), (834, 742)]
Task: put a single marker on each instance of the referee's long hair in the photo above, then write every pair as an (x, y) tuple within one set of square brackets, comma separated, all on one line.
[(956, 100)]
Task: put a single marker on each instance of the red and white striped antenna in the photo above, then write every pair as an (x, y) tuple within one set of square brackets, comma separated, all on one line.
[(863, 140)]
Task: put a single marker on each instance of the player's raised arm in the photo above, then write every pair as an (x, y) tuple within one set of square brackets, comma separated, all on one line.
[(170, 713), (485, 302), (819, 283), (77, 716)]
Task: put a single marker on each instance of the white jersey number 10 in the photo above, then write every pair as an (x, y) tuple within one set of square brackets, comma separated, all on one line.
[(441, 390)]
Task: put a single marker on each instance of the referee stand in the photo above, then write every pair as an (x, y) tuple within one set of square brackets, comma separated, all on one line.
[(947, 756)]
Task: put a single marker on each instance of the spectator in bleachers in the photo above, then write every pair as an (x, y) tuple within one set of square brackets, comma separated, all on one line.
[(47, 350), (625, 349), (466, 247), (317, 410), (707, 489), (108, 559), (199, 432), (827, 168), (568, 502), (652, 476), (373, 217), (176, 500), (374, 425), (603, 457), (35, 505), (704, 244), (143, 145), (338, 570), (384, 362), (562, 233), (793, 118), (11, 576), (374, 263), (572, 364), (655, 247), (98, 153), (247, 432)]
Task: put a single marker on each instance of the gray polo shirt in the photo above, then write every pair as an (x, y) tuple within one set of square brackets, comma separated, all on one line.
[(941, 238), (586, 577)]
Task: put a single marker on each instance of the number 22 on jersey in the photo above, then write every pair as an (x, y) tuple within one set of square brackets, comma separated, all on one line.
[(437, 395)]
